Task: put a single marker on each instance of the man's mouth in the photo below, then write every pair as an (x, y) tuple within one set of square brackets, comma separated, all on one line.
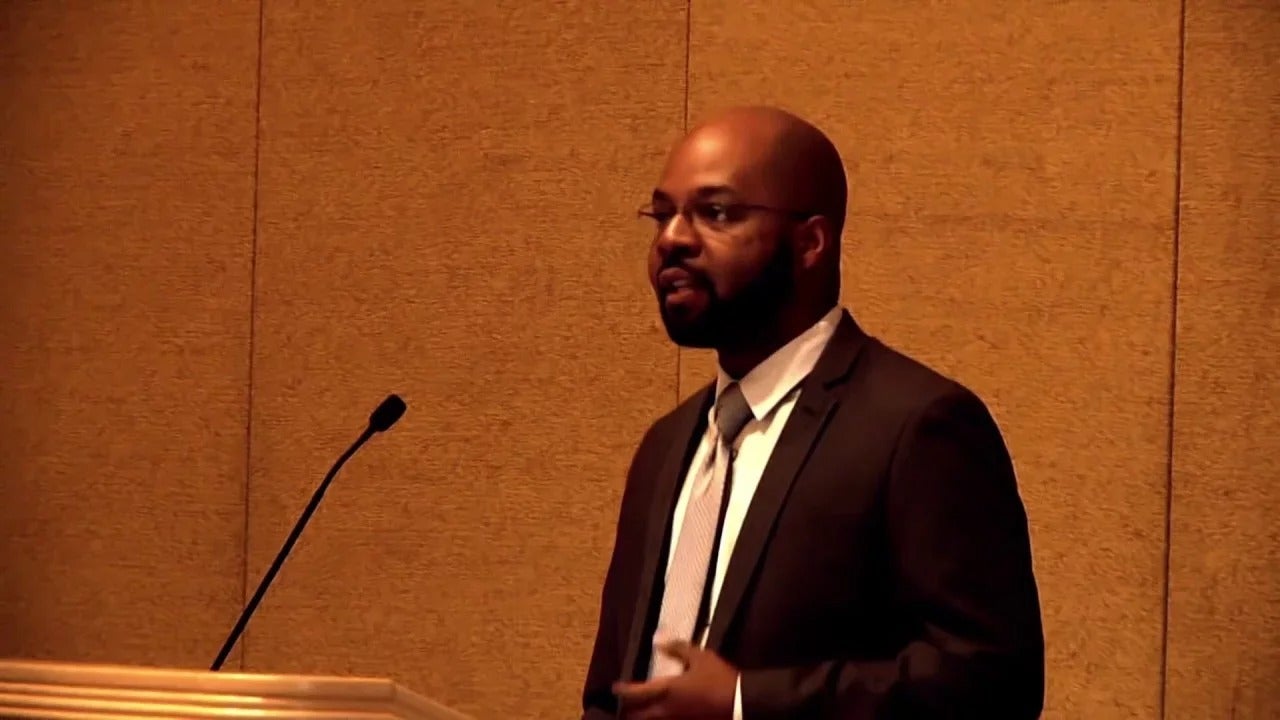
[(676, 279), (683, 294), (680, 295)]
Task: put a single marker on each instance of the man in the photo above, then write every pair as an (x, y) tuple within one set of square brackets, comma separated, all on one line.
[(830, 529)]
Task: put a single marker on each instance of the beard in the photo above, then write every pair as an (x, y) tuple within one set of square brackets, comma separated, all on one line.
[(737, 320)]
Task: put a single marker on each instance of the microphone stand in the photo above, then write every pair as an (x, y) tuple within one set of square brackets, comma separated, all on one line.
[(382, 418)]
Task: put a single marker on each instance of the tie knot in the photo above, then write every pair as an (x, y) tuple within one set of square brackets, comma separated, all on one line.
[(732, 413)]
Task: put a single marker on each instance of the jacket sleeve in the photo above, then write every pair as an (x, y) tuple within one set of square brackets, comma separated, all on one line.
[(961, 553), (598, 700), (617, 597)]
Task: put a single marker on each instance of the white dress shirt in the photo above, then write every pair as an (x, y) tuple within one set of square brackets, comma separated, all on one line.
[(771, 389)]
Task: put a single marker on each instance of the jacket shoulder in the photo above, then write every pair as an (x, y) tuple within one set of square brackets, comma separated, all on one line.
[(901, 386), (660, 428)]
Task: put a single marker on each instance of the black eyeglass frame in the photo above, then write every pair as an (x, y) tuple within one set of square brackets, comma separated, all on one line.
[(709, 212)]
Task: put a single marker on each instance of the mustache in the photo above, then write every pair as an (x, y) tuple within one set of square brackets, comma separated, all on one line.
[(697, 275)]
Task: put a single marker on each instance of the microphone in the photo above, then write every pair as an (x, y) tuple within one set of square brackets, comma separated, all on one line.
[(380, 420)]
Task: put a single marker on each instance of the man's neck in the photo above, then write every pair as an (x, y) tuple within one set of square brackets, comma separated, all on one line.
[(736, 362)]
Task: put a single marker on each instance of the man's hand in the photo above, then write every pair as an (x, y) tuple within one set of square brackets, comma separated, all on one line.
[(705, 691)]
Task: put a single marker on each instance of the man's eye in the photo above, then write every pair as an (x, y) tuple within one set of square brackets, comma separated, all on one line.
[(713, 212)]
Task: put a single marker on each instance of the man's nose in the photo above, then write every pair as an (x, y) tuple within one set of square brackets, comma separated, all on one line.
[(678, 235)]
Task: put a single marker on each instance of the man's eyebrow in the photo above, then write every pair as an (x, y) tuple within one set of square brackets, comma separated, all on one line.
[(702, 193), (714, 191)]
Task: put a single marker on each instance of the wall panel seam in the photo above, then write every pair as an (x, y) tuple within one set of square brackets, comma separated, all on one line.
[(1173, 356), (684, 128), (253, 314)]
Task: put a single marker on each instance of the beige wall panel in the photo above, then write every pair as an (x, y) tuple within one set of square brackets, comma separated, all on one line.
[(1013, 176), (448, 212), (1224, 621), (126, 194)]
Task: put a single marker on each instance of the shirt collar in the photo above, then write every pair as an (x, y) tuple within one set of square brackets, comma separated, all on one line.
[(773, 380)]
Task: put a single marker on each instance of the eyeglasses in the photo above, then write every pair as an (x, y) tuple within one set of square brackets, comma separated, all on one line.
[(715, 217)]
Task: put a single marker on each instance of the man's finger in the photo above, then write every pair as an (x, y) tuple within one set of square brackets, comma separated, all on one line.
[(641, 693), (682, 650), (655, 711)]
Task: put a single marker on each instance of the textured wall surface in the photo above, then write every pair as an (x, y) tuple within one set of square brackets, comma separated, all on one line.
[(448, 212), (126, 190), (202, 296), (1224, 608), (1011, 224)]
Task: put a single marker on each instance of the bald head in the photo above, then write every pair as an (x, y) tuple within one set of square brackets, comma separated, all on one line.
[(775, 155), (749, 212)]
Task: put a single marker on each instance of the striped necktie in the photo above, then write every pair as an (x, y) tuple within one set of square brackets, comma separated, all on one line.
[(687, 575)]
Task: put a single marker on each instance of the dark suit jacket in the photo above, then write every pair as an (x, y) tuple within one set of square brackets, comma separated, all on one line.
[(883, 570)]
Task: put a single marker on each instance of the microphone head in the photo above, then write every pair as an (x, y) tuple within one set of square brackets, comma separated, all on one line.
[(387, 413)]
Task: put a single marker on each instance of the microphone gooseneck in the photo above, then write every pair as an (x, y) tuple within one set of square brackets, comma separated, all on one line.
[(382, 418)]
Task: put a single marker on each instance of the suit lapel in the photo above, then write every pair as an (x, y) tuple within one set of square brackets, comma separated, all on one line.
[(686, 433), (813, 408)]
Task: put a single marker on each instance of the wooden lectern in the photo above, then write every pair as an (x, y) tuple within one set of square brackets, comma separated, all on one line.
[(78, 691)]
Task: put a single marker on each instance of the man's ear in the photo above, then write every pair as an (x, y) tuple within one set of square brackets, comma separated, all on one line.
[(814, 239)]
